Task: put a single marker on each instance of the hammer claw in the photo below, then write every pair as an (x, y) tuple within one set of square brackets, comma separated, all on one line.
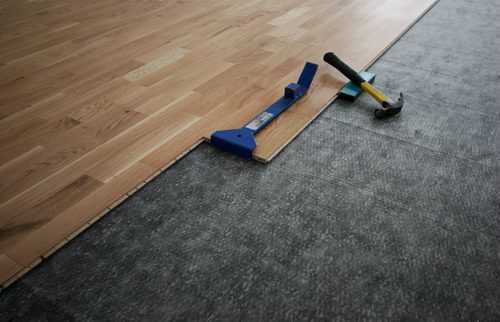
[(390, 107)]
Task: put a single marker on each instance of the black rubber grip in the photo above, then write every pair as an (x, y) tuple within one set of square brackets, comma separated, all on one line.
[(348, 72)]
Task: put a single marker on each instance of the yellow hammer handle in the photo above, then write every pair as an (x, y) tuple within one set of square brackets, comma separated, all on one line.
[(374, 92)]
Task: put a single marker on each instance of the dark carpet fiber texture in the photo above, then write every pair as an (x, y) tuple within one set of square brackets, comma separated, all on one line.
[(357, 219)]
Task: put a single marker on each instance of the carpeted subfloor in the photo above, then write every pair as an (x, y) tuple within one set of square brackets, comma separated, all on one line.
[(358, 219)]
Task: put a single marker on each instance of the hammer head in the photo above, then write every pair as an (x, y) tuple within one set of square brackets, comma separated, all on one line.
[(390, 107)]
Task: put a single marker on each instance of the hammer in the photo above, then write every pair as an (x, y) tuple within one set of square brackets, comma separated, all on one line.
[(389, 106)]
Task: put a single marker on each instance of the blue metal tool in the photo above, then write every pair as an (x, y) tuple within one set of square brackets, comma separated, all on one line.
[(242, 141)]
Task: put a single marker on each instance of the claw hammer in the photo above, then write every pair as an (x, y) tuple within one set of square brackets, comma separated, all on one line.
[(389, 106)]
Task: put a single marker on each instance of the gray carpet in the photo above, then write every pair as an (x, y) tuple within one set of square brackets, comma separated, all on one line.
[(358, 219)]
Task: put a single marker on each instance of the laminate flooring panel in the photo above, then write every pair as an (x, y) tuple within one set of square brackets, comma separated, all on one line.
[(98, 97)]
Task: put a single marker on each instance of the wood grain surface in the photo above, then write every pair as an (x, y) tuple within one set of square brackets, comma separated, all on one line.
[(98, 97)]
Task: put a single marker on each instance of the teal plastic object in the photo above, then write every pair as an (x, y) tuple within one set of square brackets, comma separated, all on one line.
[(351, 91)]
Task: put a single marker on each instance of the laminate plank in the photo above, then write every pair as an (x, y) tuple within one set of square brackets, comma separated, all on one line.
[(100, 97), (94, 132), (236, 77), (45, 57), (23, 47), (41, 240), (8, 268), (280, 73), (15, 16), (134, 144), (155, 65), (267, 98), (56, 107), (17, 169), (16, 226), (155, 104), (53, 160), (16, 70), (25, 128), (184, 68), (163, 88), (94, 103), (137, 30), (59, 168), (170, 46), (47, 132), (202, 77), (247, 94), (81, 51), (102, 79), (301, 51), (19, 29), (289, 16), (29, 92)]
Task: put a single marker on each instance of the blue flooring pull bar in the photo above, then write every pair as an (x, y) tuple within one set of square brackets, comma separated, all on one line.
[(242, 141)]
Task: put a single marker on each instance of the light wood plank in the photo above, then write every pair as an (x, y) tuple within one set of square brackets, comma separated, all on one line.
[(156, 64)]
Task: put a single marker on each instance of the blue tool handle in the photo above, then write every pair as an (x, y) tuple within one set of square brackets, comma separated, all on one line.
[(292, 93), (268, 115)]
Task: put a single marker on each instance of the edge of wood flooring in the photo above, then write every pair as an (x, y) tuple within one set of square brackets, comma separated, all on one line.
[(52, 250), (335, 96), (55, 248)]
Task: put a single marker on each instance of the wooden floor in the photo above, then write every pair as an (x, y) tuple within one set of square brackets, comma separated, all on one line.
[(98, 97)]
